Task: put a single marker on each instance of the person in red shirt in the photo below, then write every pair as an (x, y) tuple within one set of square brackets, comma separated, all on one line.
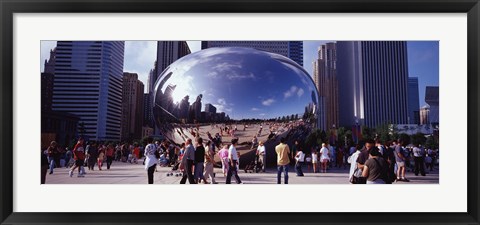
[(79, 157), (109, 153), (136, 153)]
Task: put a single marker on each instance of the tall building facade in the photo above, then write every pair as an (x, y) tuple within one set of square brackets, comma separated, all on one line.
[(290, 49), (424, 115), (432, 99), (88, 84), (413, 101), (325, 78), (132, 110), (373, 78)]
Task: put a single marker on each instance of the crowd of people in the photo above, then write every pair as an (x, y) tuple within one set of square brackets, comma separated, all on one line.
[(372, 161)]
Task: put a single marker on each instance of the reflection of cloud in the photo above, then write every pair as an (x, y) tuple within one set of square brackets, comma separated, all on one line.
[(262, 114), (255, 109), (300, 92), (222, 105), (268, 102), (289, 93), (294, 90)]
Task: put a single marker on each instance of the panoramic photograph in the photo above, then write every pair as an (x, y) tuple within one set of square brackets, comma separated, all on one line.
[(240, 112)]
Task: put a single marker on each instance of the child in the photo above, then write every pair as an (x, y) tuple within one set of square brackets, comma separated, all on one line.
[(314, 161), (101, 155)]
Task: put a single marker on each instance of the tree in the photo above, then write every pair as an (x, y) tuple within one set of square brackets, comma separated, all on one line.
[(431, 142), (418, 139)]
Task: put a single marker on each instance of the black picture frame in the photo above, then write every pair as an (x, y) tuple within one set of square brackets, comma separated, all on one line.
[(9, 7)]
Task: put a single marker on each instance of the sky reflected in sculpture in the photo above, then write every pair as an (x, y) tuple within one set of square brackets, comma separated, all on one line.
[(243, 83)]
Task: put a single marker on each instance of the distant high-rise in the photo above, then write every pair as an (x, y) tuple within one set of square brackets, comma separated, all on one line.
[(210, 108), (290, 49), (147, 113), (132, 113), (47, 82), (424, 115), (413, 101), (88, 84), (167, 53), (432, 99), (373, 78), (325, 78)]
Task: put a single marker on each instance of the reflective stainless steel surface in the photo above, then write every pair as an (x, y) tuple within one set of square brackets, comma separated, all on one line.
[(217, 84)]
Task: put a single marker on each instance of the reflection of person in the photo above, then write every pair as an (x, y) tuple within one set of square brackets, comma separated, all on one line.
[(283, 152)]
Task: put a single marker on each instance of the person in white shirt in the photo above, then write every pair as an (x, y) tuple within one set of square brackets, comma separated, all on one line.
[(150, 159), (314, 160), (419, 157), (299, 158), (262, 155), (353, 164), (324, 157), (233, 160)]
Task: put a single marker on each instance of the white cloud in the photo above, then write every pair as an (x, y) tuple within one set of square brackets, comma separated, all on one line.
[(268, 102), (262, 114), (255, 109), (300, 92), (290, 92)]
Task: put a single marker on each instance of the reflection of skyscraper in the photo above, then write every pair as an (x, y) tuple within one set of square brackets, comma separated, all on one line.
[(210, 108), (373, 80), (325, 78), (413, 101), (88, 83), (290, 49), (167, 53), (432, 99), (132, 113)]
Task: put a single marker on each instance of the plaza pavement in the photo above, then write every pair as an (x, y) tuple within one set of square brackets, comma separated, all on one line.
[(126, 173)]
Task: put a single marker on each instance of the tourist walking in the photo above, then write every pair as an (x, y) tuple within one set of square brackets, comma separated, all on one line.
[(79, 157), (262, 155), (150, 159), (353, 162), (187, 163), (223, 154), (232, 162), (324, 157), (209, 162), (51, 151), (101, 157), (400, 159), (299, 158), (314, 160), (419, 157), (375, 168), (92, 154), (283, 159), (109, 153), (199, 161)]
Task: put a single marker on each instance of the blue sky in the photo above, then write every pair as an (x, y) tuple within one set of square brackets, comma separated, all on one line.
[(422, 58)]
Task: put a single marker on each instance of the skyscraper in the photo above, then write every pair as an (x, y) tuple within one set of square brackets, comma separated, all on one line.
[(432, 99), (372, 77), (413, 101), (325, 78), (132, 112), (290, 49), (88, 84)]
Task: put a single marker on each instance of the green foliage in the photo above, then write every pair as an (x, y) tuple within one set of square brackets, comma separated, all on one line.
[(418, 139), (431, 142)]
